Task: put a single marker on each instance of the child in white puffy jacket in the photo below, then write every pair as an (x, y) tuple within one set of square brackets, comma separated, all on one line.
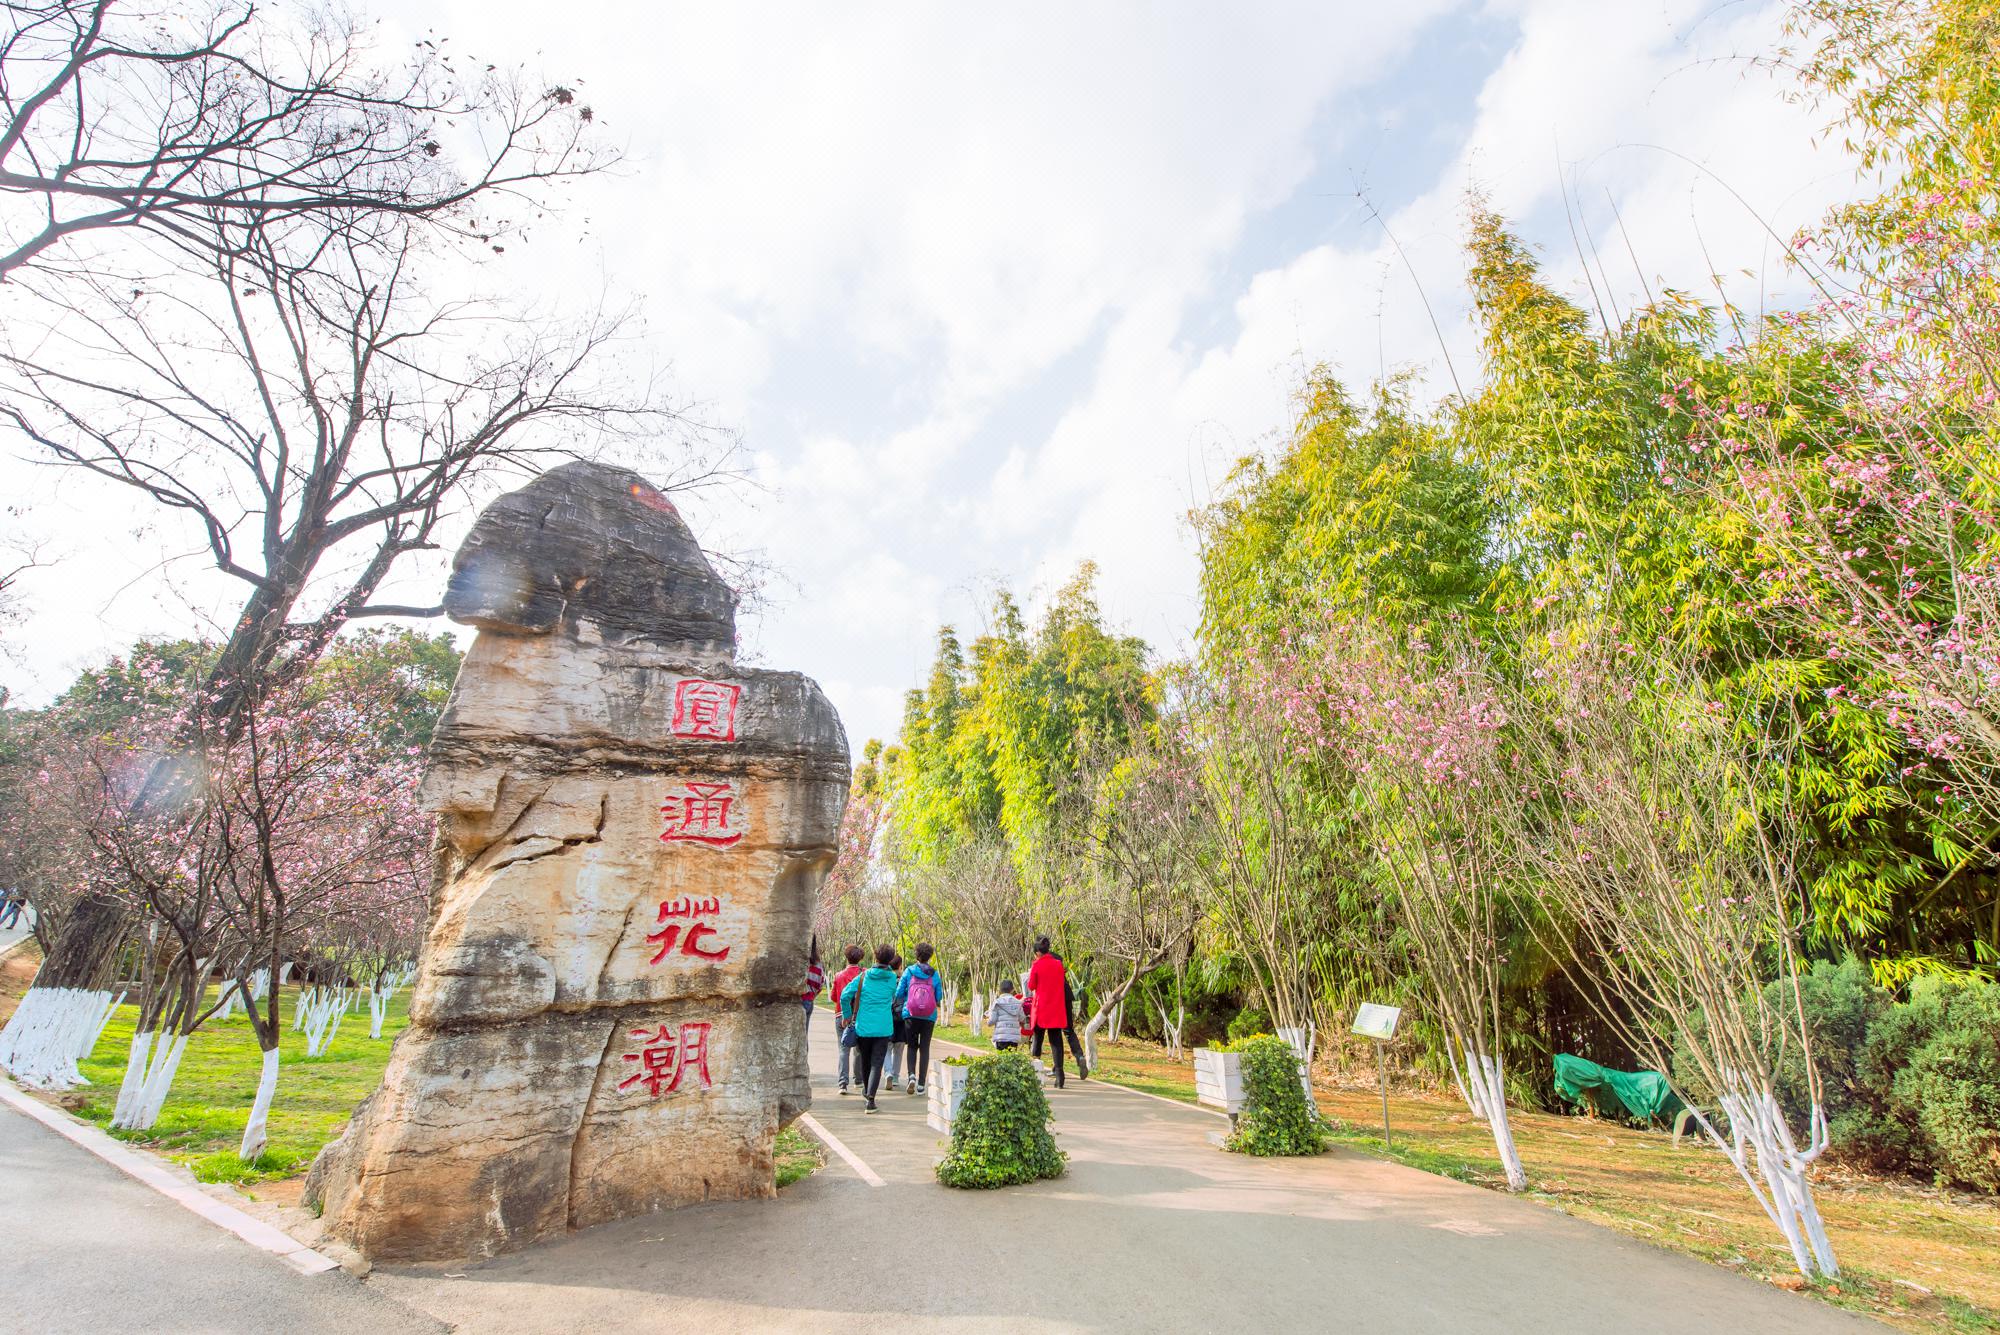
[(1007, 1016)]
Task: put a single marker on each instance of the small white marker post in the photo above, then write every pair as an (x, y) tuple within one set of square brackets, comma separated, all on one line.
[(1379, 1023)]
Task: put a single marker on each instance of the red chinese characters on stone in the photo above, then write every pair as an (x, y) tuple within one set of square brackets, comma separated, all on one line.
[(697, 931), (706, 710), (665, 1057), (700, 816)]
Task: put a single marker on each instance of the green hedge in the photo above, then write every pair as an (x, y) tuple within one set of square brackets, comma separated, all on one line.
[(1248, 1023), (1000, 1137), (1907, 1086), (1276, 1119), (1927, 1096)]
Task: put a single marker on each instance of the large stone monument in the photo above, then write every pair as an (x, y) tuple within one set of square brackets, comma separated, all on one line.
[(631, 830)]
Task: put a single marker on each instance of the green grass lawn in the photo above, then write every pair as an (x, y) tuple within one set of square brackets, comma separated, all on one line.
[(201, 1124), (202, 1121), (799, 1156)]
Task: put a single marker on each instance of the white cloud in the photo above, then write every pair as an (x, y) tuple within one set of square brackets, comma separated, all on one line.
[(992, 291)]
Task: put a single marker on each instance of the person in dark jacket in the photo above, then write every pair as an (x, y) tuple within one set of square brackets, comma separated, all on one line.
[(917, 1002), (869, 1005)]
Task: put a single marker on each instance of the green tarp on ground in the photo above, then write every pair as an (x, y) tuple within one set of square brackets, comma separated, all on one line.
[(1639, 1094)]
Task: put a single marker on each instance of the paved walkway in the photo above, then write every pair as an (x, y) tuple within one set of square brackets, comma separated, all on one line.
[(15, 935), (1152, 1229), (85, 1249)]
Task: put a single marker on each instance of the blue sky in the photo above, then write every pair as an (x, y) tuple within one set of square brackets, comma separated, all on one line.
[(986, 294)]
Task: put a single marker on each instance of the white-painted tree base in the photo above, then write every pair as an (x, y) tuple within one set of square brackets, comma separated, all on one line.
[(321, 1021), (1173, 1030), (1484, 1084), (1761, 1148), (49, 1032), (254, 1137), (139, 1103)]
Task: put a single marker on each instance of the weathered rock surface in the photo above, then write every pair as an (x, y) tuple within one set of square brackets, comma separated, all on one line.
[(631, 831)]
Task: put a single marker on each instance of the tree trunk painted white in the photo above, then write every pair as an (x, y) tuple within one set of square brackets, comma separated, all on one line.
[(1104, 1009), (47, 1031), (323, 1019), (1172, 1031), (378, 1010), (1467, 1091), (1779, 1176), (301, 1003), (1483, 1074), (157, 1078), (284, 973), (134, 1079), (254, 1130), (111, 1006)]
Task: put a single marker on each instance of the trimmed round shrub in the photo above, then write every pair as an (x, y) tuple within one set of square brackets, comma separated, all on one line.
[(1276, 1119), (1000, 1137)]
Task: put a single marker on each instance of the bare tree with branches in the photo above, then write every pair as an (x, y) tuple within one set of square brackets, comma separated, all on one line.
[(175, 119), (1134, 898), (1674, 898), (1254, 835)]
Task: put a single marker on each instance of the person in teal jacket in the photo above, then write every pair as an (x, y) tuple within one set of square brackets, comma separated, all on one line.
[(869, 1004)]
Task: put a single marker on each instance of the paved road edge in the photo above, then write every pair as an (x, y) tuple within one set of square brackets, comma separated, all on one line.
[(134, 1164)]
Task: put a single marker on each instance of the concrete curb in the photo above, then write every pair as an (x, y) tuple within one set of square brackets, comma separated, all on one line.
[(143, 1167)]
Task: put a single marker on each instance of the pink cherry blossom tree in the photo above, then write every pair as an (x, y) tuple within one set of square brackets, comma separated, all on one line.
[(1424, 729)]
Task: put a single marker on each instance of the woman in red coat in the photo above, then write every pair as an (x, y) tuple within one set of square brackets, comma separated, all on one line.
[(1048, 1003)]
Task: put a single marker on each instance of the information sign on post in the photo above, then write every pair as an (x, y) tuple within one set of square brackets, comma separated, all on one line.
[(1379, 1023)]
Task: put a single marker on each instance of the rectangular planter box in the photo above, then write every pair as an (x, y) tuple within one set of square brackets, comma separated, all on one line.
[(946, 1097), (1218, 1079)]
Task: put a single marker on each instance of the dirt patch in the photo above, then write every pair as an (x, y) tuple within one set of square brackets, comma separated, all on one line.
[(285, 1192), (17, 971)]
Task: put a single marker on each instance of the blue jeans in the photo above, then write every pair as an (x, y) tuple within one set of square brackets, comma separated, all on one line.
[(848, 1056)]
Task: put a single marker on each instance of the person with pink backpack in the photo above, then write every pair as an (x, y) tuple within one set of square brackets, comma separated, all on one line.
[(917, 1002)]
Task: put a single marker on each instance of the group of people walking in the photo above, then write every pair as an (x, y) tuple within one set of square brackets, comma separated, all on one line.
[(886, 1011)]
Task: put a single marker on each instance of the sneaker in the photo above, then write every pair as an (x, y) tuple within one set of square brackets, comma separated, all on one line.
[(871, 1107), (922, 1090), (843, 1091), (1083, 1073), (912, 1087)]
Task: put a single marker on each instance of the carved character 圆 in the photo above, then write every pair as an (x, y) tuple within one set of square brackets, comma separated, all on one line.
[(701, 816), (706, 710), (664, 1057)]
